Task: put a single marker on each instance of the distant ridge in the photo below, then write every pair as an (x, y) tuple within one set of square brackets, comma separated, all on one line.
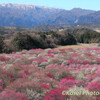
[(31, 15), (92, 18)]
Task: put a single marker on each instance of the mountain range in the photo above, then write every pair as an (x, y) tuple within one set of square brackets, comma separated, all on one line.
[(29, 15)]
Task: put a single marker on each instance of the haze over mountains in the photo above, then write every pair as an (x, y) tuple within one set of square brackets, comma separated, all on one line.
[(30, 15)]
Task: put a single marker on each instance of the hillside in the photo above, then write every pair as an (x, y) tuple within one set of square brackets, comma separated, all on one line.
[(30, 15), (17, 39), (93, 18)]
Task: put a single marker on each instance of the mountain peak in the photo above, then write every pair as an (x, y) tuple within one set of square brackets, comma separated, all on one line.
[(74, 9), (80, 9), (10, 5), (23, 6)]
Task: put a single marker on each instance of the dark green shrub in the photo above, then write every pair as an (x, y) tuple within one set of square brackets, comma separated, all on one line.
[(44, 40), (65, 38), (48, 40), (1, 45), (22, 41), (88, 38)]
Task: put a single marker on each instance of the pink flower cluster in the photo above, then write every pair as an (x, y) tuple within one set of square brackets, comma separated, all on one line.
[(12, 95), (43, 74)]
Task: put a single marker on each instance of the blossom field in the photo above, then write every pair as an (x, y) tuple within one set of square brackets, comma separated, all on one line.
[(40, 74)]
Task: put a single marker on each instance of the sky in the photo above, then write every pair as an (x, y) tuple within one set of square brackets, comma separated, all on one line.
[(63, 4)]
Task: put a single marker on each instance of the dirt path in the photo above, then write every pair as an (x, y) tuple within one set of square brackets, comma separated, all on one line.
[(92, 45), (98, 31)]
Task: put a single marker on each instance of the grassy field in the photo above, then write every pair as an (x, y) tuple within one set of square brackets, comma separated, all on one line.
[(98, 30), (92, 45)]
